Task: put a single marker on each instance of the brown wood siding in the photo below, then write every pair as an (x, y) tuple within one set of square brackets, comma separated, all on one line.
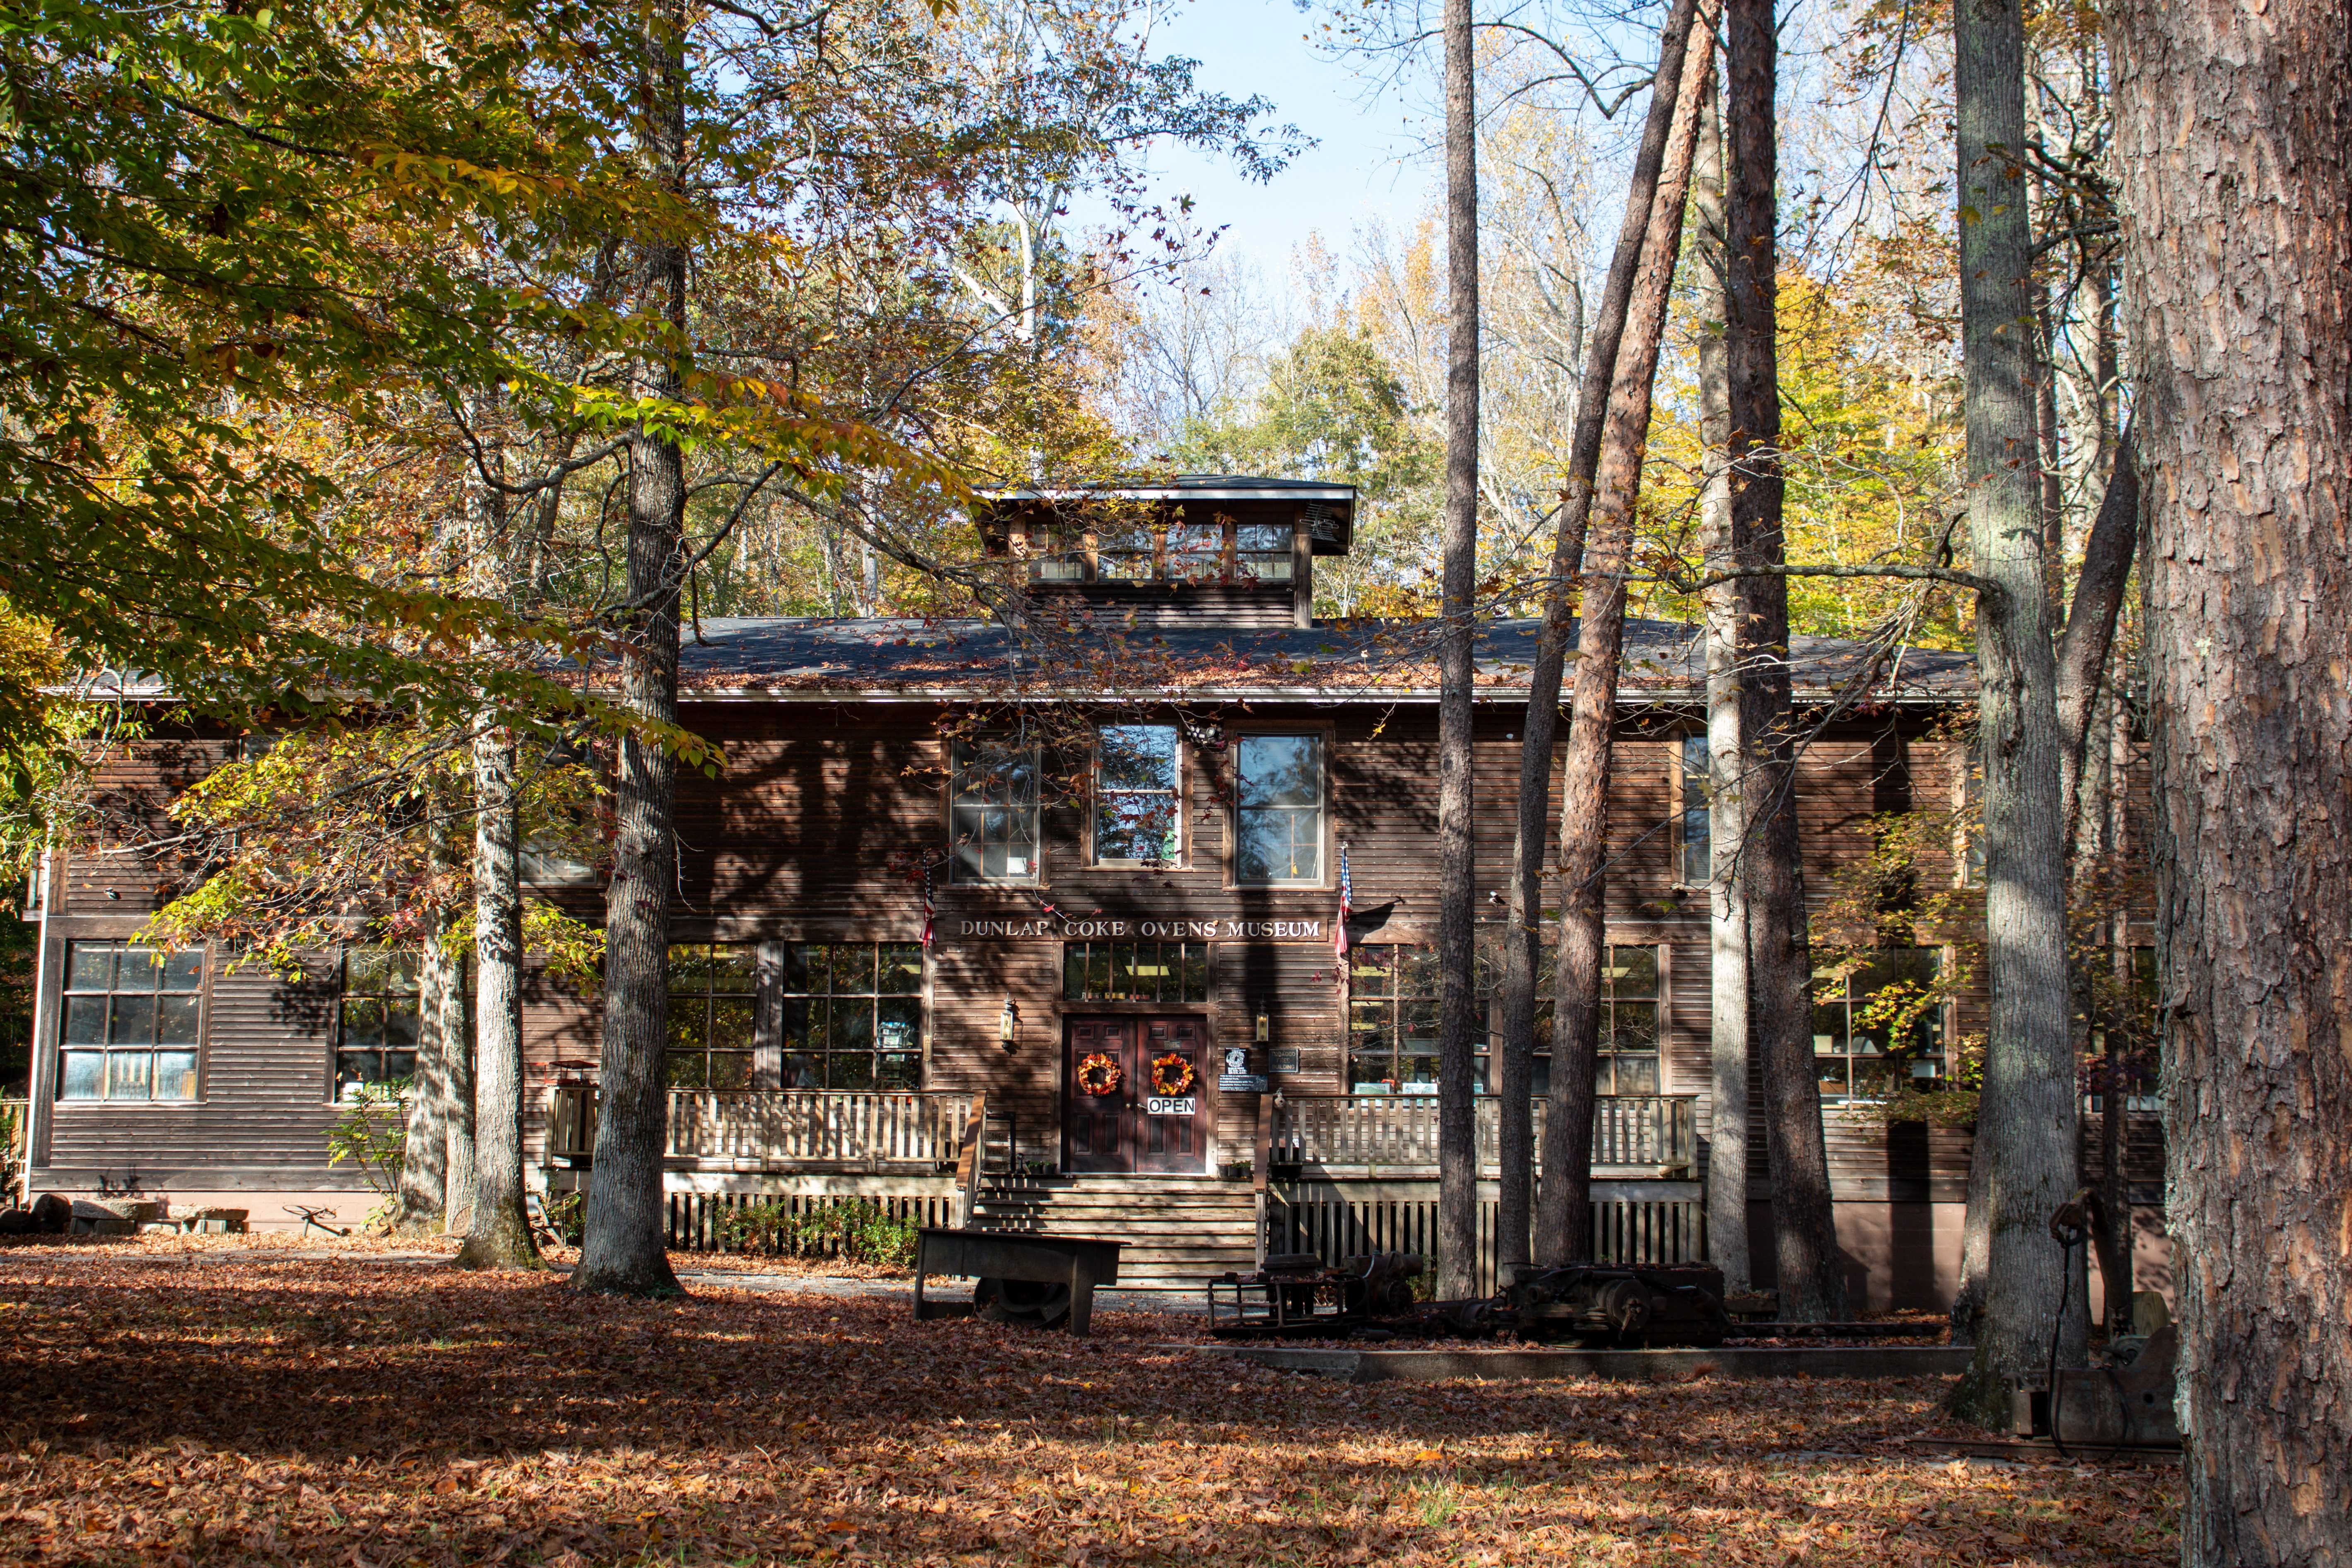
[(824, 813)]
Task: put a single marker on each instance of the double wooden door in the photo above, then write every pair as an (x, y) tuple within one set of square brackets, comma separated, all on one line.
[(1132, 1126)]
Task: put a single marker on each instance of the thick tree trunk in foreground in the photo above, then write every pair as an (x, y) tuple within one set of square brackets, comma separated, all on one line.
[(1811, 1281), (2028, 1120), (624, 1248), (1564, 1210), (498, 1233), (1727, 1166), (2237, 234), (424, 1166), (1457, 1021), (1522, 948)]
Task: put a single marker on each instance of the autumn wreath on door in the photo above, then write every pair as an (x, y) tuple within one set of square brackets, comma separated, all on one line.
[(1098, 1074), (1171, 1074)]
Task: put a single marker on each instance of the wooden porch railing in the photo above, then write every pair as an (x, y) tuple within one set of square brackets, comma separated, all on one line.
[(810, 1129), (1398, 1132)]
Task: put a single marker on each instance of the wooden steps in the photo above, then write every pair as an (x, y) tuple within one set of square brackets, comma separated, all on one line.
[(1180, 1231)]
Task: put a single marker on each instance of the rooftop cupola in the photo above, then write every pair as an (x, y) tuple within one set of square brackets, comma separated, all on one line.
[(1197, 548)]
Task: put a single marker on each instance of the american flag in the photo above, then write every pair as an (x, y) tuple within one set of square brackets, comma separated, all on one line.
[(1339, 926), (930, 909)]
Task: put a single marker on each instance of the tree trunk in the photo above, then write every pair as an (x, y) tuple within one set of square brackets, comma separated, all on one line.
[(2027, 1119), (1727, 1165), (1564, 1212), (458, 1030), (1459, 1023), (498, 1233), (1522, 951), (2237, 243), (624, 1249), (2090, 635), (424, 1166), (1811, 1281)]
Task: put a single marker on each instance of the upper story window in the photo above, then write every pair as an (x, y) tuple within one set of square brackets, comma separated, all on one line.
[(1967, 807), (1884, 1019), (992, 813), (1279, 811), (131, 1023), (1698, 865), (1139, 815), (1057, 556), (1393, 1020), (1176, 551), (712, 1007), (853, 1014), (1262, 551), (376, 1019)]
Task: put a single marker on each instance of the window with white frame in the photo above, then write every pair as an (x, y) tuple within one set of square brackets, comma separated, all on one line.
[(1627, 1060), (1279, 811), (1139, 816), (130, 1025), (992, 813)]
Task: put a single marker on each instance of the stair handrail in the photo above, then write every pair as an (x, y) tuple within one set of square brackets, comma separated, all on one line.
[(968, 1159)]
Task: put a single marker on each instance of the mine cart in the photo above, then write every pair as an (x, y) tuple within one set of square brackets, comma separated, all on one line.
[(1630, 1304), (1295, 1296)]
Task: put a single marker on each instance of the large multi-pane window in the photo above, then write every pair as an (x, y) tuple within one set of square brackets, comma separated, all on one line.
[(1629, 1030), (376, 1019), (129, 1028), (992, 813), (1135, 972), (1393, 1020), (1698, 867), (1881, 1021), (1278, 791), (1262, 551), (1138, 810), (853, 1014), (713, 1000)]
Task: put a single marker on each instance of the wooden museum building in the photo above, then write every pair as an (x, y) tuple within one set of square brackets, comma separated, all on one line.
[(1146, 890)]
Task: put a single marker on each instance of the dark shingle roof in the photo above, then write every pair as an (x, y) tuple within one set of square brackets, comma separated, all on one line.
[(1332, 660)]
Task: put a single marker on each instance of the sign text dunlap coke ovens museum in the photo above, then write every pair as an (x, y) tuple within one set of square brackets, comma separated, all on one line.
[(1098, 930)]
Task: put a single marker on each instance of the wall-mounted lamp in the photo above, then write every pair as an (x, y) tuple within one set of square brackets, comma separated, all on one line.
[(1264, 1031), (1008, 1025)]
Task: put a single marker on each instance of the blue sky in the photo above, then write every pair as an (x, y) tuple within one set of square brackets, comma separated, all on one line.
[(1367, 159)]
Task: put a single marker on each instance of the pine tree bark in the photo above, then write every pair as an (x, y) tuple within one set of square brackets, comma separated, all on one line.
[(1727, 1165), (1458, 1023), (1812, 1280), (1522, 952), (2028, 1115), (624, 1250), (2236, 198), (1564, 1210), (424, 1166)]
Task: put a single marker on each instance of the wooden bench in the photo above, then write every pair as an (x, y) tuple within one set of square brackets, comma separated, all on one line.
[(1081, 1262)]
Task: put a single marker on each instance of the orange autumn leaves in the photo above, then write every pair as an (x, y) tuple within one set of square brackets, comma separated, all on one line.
[(239, 1405)]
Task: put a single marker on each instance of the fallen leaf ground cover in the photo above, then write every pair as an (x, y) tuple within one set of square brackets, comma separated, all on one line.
[(253, 1407)]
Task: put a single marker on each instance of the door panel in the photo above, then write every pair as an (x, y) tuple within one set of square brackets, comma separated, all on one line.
[(1120, 1131), (1171, 1131), (1093, 1125)]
